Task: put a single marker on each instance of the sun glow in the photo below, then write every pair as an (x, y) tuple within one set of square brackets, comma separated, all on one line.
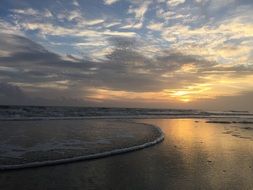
[(182, 96), (216, 86), (185, 100)]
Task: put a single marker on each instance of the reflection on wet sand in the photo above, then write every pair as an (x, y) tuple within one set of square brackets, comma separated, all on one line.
[(194, 155), (207, 152)]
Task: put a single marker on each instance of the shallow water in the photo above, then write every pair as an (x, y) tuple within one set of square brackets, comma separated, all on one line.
[(26, 143), (194, 155)]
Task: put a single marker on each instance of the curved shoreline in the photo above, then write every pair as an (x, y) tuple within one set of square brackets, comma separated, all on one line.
[(87, 157)]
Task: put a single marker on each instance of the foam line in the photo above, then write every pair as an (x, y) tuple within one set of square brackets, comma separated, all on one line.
[(86, 157)]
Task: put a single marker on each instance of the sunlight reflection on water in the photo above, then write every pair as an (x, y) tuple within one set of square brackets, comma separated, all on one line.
[(208, 153), (194, 155)]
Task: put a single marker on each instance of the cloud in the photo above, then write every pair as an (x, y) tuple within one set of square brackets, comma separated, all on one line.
[(132, 25), (28, 11), (10, 91), (175, 2), (152, 51), (75, 2), (216, 4), (32, 12), (138, 10), (70, 15), (126, 73), (124, 69), (118, 33), (13, 95), (213, 42), (155, 26), (230, 102), (110, 2)]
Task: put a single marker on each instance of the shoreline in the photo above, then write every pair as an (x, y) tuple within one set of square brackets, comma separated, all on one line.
[(157, 140), (191, 156)]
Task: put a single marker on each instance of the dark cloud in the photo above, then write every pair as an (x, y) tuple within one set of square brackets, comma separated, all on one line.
[(7, 90), (123, 43), (46, 78), (125, 69), (241, 101), (14, 95)]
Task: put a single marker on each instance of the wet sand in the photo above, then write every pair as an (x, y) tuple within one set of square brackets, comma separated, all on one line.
[(194, 155)]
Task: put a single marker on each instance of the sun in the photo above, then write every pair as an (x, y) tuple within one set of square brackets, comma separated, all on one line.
[(182, 95)]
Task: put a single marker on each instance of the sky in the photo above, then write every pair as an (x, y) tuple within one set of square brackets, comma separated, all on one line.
[(194, 54)]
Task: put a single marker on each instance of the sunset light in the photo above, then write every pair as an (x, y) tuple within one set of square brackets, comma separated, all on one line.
[(154, 53), (170, 81)]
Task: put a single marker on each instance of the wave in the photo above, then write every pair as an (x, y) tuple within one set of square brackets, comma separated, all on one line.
[(49, 113), (174, 116), (157, 140)]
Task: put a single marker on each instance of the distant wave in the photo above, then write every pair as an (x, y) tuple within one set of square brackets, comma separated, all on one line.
[(53, 112), (159, 139), (128, 117)]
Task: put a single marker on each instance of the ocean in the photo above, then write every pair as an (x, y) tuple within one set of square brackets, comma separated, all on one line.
[(56, 112), (82, 148)]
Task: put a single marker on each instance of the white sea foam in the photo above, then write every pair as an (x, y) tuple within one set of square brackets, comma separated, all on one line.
[(80, 158)]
